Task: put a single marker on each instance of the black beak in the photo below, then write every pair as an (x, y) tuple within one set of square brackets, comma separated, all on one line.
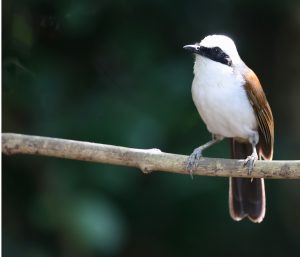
[(193, 48)]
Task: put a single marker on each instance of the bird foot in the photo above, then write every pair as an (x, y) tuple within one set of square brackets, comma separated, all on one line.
[(250, 161), (193, 160)]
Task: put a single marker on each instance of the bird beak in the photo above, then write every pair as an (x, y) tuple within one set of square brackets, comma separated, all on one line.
[(192, 48)]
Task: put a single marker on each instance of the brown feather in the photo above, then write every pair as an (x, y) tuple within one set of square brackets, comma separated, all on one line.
[(247, 196), (263, 114)]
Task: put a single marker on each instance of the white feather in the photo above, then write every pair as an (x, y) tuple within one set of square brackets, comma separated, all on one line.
[(219, 95)]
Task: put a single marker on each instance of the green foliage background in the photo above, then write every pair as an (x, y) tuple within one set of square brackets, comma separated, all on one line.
[(115, 72)]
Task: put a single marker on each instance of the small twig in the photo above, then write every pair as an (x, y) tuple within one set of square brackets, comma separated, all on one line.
[(147, 160)]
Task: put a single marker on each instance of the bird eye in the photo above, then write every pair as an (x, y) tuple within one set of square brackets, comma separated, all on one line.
[(217, 49)]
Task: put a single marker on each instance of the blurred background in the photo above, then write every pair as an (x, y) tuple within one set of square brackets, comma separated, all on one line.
[(114, 72)]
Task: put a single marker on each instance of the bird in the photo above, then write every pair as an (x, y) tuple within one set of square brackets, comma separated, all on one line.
[(231, 102)]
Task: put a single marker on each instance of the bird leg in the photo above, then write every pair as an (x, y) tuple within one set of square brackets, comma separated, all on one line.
[(194, 158), (251, 159)]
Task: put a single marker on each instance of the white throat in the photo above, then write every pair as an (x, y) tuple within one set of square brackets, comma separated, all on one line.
[(221, 100)]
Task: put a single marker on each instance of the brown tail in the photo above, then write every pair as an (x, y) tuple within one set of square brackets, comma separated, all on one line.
[(246, 196)]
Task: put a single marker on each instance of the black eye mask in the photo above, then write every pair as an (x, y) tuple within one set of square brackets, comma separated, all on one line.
[(215, 54)]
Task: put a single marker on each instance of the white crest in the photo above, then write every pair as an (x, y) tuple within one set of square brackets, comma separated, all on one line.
[(225, 43)]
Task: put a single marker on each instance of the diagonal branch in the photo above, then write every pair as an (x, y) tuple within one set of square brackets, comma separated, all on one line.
[(146, 160)]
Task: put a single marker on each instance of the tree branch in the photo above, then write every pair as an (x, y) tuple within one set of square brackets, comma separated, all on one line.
[(146, 160)]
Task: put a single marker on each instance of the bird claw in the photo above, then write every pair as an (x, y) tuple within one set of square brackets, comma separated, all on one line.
[(250, 161), (193, 160)]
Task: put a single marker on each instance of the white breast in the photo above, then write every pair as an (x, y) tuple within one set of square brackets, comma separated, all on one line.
[(221, 100)]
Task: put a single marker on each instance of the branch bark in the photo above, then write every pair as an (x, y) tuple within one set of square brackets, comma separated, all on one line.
[(146, 160)]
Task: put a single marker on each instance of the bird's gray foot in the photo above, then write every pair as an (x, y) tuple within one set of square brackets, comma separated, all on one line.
[(193, 160), (250, 161)]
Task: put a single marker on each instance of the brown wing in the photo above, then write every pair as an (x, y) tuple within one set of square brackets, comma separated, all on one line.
[(263, 113)]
